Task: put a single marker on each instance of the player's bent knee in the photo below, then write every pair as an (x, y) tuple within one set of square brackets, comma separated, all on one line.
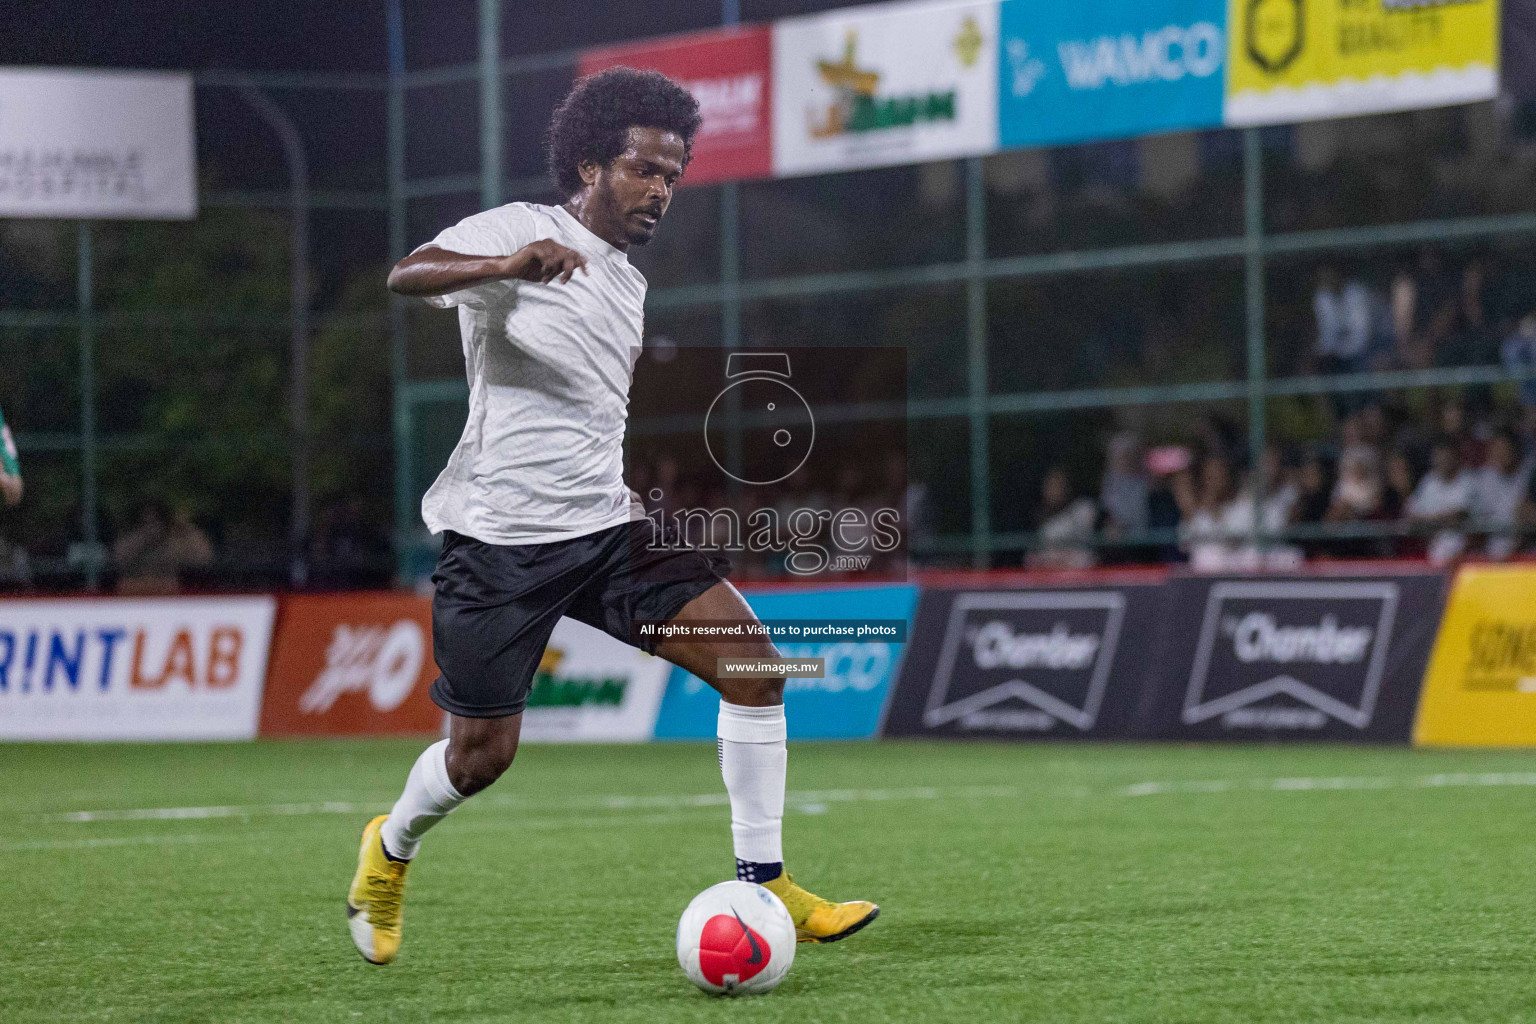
[(753, 693), (472, 769)]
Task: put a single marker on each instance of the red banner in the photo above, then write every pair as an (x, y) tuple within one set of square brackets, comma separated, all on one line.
[(727, 70), (351, 664)]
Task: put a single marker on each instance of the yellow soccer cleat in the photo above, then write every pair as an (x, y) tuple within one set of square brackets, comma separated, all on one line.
[(373, 902), (819, 920)]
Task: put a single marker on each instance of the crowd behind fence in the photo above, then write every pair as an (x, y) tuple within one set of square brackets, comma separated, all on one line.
[(1104, 340)]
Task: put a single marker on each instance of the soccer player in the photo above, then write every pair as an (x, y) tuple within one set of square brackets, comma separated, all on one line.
[(536, 519)]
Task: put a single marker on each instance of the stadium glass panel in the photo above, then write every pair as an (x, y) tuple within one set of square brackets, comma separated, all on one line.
[(857, 220), (1175, 324), (1166, 188), (929, 322), (1472, 160)]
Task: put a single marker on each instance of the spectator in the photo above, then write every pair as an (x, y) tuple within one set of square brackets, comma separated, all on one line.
[(1442, 502), (1470, 449), (151, 557), (1498, 489), (1313, 493), (15, 569), (1519, 355), (350, 552), (1354, 330), (10, 466), (1424, 309), (1356, 497), (1206, 529), (1280, 492), (1065, 524), (1124, 493), (1357, 493), (1171, 495)]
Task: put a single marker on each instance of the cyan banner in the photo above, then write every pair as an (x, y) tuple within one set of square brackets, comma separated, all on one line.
[(1071, 72), (845, 704)]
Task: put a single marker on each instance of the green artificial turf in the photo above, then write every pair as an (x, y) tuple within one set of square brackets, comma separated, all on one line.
[(1039, 883)]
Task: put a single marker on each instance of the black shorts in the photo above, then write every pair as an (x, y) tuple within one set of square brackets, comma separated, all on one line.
[(496, 605)]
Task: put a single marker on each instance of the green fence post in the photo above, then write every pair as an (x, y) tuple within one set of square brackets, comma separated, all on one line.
[(1253, 313), (976, 345)]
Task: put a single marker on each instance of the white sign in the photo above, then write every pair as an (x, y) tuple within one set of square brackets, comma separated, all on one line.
[(124, 669), (591, 688), (96, 144), (884, 84)]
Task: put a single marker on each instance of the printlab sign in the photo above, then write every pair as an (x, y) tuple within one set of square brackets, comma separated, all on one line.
[(96, 144)]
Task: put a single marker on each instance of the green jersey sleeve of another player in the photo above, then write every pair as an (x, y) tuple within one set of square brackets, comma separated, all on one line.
[(8, 459)]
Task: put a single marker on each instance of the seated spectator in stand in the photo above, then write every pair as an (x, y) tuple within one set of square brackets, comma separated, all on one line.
[(1219, 535), (1519, 355), (1356, 497), (1442, 502), (151, 557), (1065, 523), (1397, 485), (10, 466), (349, 552), (1357, 493), (1123, 493), (1499, 487), (1171, 497), (1313, 494), (1354, 330), (1424, 310), (15, 569), (1471, 449)]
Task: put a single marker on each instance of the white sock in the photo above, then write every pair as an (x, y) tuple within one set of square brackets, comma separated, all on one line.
[(753, 760), (427, 799)]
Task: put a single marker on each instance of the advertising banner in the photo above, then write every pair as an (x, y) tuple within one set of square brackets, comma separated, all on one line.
[(884, 84), (1294, 658), (1063, 663), (96, 144), (728, 72), (591, 688), (1300, 60), (1480, 689), (351, 664), (1111, 69), (845, 703), (125, 669)]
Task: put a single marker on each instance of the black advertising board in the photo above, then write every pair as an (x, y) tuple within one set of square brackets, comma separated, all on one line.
[(1293, 658), (1051, 662)]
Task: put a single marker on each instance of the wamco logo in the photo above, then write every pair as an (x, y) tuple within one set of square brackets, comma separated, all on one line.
[(1049, 651), (1320, 646), (1161, 55)]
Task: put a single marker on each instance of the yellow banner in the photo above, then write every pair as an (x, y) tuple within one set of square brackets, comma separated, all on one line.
[(1480, 689), (1297, 60)]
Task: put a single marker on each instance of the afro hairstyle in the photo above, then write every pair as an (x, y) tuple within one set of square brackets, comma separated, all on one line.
[(592, 122)]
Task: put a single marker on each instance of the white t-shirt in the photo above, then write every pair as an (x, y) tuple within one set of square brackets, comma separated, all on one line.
[(549, 367), (1436, 497)]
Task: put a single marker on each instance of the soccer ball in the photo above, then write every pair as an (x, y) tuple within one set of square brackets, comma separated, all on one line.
[(736, 938)]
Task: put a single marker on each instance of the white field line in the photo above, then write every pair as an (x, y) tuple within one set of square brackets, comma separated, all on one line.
[(592, 803), (87, 844), (1451, 780)]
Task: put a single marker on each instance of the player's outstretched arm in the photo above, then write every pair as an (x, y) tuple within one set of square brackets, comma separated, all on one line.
[(10, 488), (434, 271)]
